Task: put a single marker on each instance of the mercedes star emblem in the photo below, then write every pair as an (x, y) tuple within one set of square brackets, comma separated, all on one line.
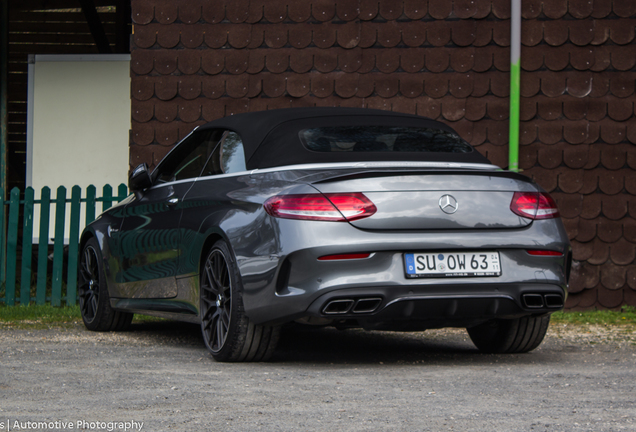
[(448, 204)]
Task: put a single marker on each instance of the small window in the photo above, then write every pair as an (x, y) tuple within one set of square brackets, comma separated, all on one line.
[(228, 157), (382, 139), (232, 154), (189, 157)]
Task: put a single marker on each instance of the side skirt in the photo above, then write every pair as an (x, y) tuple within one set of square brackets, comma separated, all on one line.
[(170, 309)]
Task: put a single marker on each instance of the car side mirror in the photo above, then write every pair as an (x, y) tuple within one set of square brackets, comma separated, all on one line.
[(139, 179)]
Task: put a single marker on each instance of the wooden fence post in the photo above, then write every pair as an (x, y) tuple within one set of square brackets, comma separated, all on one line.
[(58, 247), (107, 197), (43, 245), (12, 246), (73, 244), (27, 248), (91, 193), (122, 192)]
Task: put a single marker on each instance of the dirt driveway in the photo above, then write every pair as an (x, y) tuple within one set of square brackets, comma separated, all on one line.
[(159, 377)]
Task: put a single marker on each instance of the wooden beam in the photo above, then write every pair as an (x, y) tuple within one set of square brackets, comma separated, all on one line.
[(124, 20), (55, 49), (95, 24), (30, 5), (57, 27)]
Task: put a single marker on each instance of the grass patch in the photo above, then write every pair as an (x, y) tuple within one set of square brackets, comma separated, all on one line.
[(41, 314), (625, 316), (46, 316)]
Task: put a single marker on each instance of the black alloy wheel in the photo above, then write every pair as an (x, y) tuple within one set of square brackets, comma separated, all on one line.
[(89, 284), (228, 333), (94, 300), (216, 301)]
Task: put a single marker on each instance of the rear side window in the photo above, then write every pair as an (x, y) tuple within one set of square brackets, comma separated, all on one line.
[(228, 157), (382, 139), (232, 154)]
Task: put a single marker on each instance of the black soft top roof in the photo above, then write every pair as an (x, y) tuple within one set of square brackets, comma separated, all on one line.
[(270, 138)]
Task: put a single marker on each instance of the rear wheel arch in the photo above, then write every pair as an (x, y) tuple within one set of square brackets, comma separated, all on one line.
[(228, 333), (210, 240)]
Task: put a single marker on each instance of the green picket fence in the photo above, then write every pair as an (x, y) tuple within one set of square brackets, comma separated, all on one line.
[(46, 281)]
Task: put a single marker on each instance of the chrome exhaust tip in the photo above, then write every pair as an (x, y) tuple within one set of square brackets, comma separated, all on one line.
[(367, 305), (554, 301), (532, 301), (338, 307)]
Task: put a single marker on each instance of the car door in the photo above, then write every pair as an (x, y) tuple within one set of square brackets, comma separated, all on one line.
[(210, 200), (149, 235)]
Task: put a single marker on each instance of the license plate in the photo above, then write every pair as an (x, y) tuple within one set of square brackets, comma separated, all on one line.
[(452, 264)]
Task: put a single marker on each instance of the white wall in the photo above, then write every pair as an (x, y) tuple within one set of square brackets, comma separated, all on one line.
[(78, 123)]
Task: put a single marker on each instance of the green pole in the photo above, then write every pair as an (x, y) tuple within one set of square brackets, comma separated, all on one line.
[(515, 84)]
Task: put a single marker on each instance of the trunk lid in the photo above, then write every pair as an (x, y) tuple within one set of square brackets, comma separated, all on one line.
[(435, 200)]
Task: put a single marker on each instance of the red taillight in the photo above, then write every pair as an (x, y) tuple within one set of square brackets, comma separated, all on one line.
[(534, 205), (544, 253), (344, 256), (353, 206), (337, 207)]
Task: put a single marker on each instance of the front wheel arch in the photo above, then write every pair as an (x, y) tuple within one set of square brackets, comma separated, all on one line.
[(94, 297)]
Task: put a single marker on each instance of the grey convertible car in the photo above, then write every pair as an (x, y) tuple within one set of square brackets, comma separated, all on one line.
[(327, 216)]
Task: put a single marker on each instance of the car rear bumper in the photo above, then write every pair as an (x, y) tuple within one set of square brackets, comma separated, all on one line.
[(421, 307), (292, 282)]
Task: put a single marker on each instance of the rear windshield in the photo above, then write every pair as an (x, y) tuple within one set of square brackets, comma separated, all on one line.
[(382, 139)]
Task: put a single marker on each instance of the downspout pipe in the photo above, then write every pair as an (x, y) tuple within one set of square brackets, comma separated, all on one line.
[(515, 84)]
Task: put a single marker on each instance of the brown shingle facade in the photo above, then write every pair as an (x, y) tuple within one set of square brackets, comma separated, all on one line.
[(197, 60)]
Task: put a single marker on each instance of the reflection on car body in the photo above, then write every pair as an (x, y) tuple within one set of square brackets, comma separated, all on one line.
[(330, 216)]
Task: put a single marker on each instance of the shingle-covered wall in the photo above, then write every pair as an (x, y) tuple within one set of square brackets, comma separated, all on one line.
[(196, 60)]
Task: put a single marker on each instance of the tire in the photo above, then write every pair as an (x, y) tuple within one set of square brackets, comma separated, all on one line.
[(510, 336), (93, 293), (228, 333)]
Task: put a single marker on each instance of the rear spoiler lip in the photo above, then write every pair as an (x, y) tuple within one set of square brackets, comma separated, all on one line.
[(404, 164), (389, 173)]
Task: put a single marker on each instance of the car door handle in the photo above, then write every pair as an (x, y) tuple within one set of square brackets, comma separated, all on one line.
[(173, 201)]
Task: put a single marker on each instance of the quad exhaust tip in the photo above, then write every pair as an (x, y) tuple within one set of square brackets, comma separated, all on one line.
[(356, 306), (336, 307), (367, 305), (537, 301), (553, 301)]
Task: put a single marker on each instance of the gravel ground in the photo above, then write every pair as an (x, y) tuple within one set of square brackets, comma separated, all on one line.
[(582, 378)]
